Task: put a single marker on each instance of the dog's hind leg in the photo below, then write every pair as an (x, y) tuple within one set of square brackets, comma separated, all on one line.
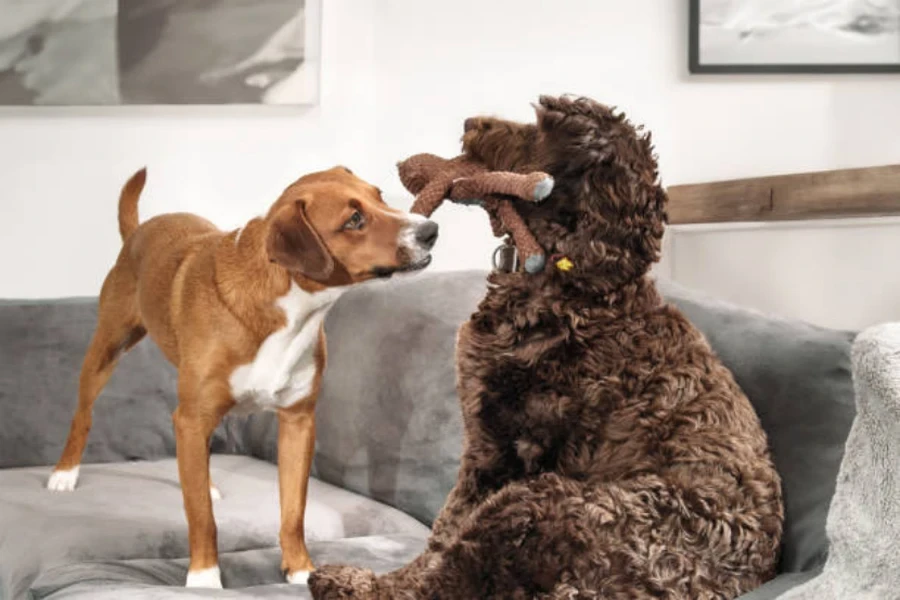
[(513, 545), (118, 329), (547, 538)]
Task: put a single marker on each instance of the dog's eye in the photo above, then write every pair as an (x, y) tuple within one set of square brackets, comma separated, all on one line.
[(356, 221)]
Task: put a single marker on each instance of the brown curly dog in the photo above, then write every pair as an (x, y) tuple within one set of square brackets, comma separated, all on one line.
[(608, 453)]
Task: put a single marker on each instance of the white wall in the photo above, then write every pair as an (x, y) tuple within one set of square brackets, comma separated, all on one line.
[(838, 274), (399, 76)]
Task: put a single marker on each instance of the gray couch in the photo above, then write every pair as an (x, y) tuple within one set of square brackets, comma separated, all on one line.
[(389, 439)]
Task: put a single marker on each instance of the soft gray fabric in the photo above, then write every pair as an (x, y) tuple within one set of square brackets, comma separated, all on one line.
[(799, 379), (42, 344), (864, 521), (135, 510), (776, 587), (248, 574), (388, 419)]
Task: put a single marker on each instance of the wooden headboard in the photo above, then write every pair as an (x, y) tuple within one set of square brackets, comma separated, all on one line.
[(873, 191)]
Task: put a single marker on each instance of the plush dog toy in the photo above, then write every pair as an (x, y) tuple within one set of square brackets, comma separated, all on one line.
[(434, 179)]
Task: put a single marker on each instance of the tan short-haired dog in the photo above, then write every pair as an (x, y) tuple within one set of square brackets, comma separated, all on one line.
[(240, 314)]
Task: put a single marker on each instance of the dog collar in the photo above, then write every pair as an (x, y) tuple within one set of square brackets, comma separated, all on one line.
[(506, 260)]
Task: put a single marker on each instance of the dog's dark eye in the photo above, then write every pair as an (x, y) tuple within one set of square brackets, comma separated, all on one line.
[(356, 221)]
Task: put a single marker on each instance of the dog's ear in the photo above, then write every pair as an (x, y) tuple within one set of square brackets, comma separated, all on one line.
[(294, 244)]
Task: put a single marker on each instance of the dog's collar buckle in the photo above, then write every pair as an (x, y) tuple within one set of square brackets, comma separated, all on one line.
[(505, 259)]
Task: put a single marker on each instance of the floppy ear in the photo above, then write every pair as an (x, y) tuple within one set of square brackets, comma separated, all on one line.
[(294, 244)]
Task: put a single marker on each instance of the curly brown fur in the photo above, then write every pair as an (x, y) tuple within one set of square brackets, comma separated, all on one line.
[(608, 453)]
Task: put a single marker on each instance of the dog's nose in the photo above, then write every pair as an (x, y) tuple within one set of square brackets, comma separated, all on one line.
[(427, 234)]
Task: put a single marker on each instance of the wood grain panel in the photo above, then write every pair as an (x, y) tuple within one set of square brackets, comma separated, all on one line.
[(871, 191)]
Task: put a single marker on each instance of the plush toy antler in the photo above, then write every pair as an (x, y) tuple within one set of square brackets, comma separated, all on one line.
[(434, 179)]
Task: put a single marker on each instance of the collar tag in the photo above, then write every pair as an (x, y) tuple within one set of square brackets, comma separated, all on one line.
[(505, 259)]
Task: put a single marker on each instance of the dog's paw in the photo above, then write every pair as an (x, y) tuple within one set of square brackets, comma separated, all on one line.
[(297, 577), (342, 583), (63, 480), (204, 578)]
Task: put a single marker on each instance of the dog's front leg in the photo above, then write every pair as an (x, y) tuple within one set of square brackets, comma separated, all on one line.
[(199, 411), (296, 445)]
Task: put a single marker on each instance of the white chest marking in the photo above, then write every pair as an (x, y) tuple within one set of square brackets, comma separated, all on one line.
[(284, 368)]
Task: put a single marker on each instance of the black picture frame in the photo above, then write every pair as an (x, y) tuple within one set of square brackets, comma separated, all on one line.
[(696, 67)]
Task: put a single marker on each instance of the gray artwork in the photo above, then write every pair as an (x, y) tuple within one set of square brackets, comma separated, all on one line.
[(111, 52), (795, 35)]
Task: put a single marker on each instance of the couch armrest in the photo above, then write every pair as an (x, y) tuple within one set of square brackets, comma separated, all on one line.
[(776, 587), (864, 521)]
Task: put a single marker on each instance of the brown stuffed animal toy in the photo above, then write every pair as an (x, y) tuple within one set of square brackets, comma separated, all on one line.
[(465, 181)]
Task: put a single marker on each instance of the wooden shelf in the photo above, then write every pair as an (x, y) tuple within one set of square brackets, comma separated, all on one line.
[(872, 191)]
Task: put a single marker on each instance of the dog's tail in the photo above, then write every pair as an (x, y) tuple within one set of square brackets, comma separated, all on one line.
[(128, 203)]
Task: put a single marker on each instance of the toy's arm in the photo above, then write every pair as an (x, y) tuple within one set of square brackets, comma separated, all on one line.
[(430, 177), (532, 253), (495, 188), (531, 187)]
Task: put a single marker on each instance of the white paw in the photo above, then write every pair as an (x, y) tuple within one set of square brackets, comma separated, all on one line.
[(63, 481), (298, 577), (214, 493), (204, 578)]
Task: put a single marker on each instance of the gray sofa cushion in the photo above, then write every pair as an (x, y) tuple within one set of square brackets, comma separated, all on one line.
[(42, 344), (776, 587), (135, 510), (390, 423), (247, 574)]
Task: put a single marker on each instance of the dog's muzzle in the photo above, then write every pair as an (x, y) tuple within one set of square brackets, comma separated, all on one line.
[(417, 239)]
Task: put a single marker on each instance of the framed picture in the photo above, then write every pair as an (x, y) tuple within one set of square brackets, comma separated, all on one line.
[(794, 36), (159, 52)]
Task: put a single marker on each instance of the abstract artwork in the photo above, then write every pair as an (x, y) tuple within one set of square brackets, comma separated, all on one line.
[(159, 52), (794, 36)]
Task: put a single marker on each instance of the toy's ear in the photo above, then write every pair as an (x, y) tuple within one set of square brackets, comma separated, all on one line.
[(295, 244)]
